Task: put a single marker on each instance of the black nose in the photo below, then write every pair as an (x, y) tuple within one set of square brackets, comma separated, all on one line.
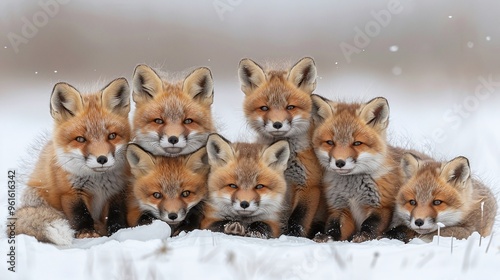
[(102, 159), (173, 140), (172, 216), (277, 125), (419, 222), (340, 163), (244, 204)]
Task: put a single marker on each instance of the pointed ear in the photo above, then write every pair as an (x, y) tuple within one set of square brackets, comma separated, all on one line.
[(219, 150), (456, 172), (376, 113), (276, 156), (410, 164), (321, 110), (200, 85), (303, 75), (140, 161), (145, 84), (198, 161), (251, 75), (116, 97), (65, 102)]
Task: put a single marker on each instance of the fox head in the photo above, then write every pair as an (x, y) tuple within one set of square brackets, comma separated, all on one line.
[(434, 193), (350, 138), (168, 187), (91, 131), (277, 103), (247, 180), (172, 119)]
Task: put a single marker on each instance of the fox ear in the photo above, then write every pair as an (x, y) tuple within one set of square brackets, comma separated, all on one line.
[(219, 150), (145, 84), (116, 97), (321, 110), (410, 164), (140, 161), (198, 161), (303, 75), (200, 85), (251, 75), (276, 156), (65, 102), (376, 113), (456, 172)]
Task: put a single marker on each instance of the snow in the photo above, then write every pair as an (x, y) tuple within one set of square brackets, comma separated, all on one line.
[(430, 75)]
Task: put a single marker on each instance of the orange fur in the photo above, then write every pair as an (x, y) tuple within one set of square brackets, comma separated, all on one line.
[(278, 106)]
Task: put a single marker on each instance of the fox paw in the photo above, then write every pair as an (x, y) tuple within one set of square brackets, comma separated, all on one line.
[(362, 237), (234, 228), (257, 234), (87, 233), (322, 238), (296, 230)]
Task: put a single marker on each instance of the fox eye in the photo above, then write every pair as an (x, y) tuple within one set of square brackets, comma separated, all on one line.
[(185, 193), (233, 186), (157, 195), (412, 202), (259, 186), (80, 139), (330, 142), (290, 107), (264, 108), (158, 121), (437, 202), (188, 121), (357, 143), (112, 136)]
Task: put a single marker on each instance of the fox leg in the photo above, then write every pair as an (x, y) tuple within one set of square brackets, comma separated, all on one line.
[(376, 223), (301, 219), (339, 226), (264, 229), (79, 216), (401, 232), (116, 214)]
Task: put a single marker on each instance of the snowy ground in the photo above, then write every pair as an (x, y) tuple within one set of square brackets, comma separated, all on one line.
[(436, 63)]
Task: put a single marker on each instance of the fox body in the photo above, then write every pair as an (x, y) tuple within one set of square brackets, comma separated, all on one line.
[(172, 189), (81, 173), (441, 192), (247, 188), (278, 106), (362, 174), (172, 119)]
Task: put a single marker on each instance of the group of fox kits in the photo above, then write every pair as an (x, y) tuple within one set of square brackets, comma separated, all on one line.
[(319, 168)]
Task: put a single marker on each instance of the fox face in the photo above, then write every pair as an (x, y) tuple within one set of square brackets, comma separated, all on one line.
[(350, 138), (168, 188), (278, 103), (172, 120), (246, 181), (91, 131), (434, 193)]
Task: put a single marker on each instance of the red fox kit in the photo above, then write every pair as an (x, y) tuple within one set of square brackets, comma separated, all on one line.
[(172, 119), (444, 193), (172, 189), (81, 175), (278, 106), (362, 173), (247, 188)]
